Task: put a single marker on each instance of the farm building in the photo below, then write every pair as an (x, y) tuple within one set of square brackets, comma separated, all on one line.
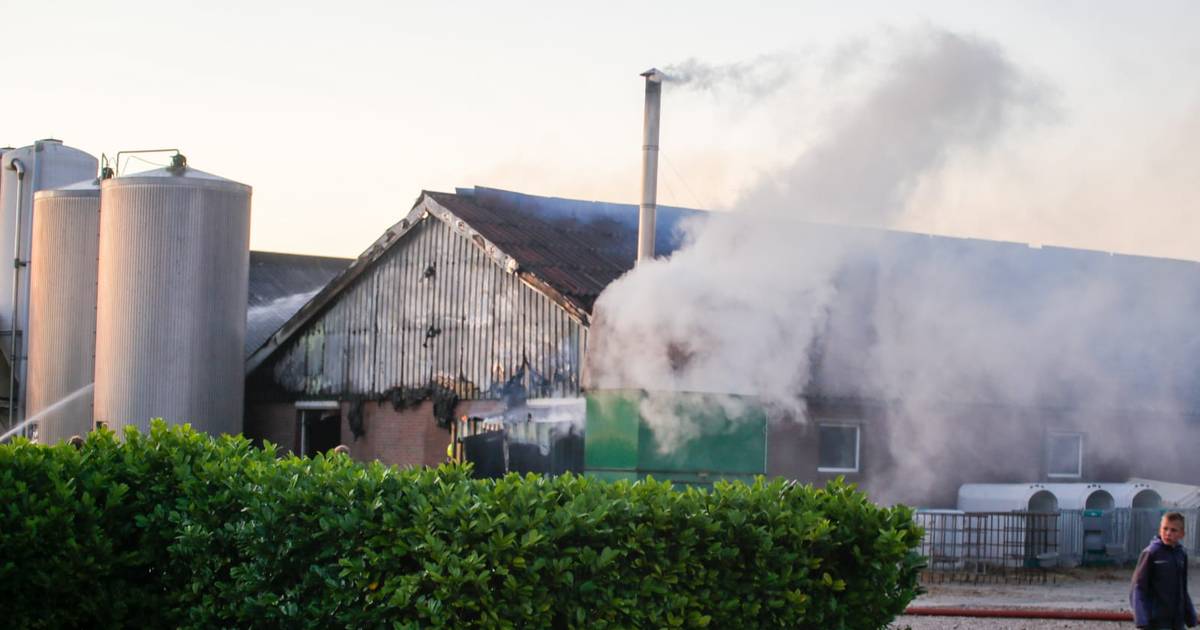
[(474, 304), (479, 303)]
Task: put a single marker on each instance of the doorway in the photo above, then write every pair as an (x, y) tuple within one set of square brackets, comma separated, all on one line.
[(318, 427)]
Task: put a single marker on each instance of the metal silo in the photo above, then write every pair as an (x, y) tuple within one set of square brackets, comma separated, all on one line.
[(43, 165), (62, 310), (171, 300)]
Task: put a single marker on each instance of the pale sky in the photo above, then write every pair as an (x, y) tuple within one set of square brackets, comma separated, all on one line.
[(340, 113)]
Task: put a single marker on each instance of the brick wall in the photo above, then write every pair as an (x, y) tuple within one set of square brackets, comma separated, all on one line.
[(406, 438)]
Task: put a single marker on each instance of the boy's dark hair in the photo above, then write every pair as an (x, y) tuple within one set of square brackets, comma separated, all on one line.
[(1174, 516)]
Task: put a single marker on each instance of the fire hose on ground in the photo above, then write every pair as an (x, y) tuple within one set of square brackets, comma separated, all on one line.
[(1022, 613)]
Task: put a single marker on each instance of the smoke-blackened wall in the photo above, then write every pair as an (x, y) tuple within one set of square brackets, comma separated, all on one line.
[(958, 355)]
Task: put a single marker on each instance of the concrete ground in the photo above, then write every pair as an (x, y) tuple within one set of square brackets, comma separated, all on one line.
[(1078, 589)]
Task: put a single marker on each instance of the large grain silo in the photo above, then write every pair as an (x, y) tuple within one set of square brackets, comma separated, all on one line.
[(171, 300), (62, 310)]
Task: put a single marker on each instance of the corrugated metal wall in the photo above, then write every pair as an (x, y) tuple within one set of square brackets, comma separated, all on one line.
[(436, 309), (62, 309)]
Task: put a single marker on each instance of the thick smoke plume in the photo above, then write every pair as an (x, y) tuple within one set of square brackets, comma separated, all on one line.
[(769, 302), (939, 94)]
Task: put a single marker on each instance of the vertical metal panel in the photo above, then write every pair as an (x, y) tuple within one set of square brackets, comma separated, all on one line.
[(62, 310), (438, 304), (171, 300), (335, 351), (377, 335), (383, 323)]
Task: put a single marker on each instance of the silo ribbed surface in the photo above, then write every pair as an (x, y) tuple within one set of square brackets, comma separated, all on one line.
[(62, 310), (171, 300)]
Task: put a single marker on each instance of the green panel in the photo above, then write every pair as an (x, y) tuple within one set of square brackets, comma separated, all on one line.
[(700, 438), (610, 440), (719, 436)]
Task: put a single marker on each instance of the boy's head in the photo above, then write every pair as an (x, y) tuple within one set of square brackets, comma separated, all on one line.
[(1171, 529)]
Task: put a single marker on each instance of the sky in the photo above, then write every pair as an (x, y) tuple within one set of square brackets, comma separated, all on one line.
[(340, 113)]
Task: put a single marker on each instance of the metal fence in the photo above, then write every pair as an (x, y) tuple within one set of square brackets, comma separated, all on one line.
[(1025, 546), (988, 546), (1115, 536)]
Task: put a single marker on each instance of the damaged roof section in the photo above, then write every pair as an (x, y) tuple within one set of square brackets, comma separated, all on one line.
[(575, 247), (566, 249), (435, 312)]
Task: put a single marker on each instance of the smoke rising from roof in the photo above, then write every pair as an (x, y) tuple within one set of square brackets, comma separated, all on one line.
[(766, 302)]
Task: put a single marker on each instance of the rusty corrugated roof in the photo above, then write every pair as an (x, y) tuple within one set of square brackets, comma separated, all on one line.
[(576, 258), (567, 249)]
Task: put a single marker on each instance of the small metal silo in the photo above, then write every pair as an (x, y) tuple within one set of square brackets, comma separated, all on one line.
[(171, 300), (43, 165), (62, 310)]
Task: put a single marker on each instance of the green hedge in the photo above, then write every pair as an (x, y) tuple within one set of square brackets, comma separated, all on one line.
[(177, 529)]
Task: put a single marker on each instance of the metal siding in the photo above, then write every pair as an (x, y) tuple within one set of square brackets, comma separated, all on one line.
[(408, 305), (171, 302), (476, 318), (410, 308), (374, 335), (360, 333), (62, 311), (385, 320), (438, 305), (335, 351)]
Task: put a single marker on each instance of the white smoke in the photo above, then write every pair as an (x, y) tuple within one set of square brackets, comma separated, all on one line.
[(931, 333), (936, 94), (280, 308), (742, 307), (757, 78)]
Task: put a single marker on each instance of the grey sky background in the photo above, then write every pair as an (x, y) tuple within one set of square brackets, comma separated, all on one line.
[(340, 113)]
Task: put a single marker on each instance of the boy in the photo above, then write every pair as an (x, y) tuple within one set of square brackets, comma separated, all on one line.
[(1159, 596)]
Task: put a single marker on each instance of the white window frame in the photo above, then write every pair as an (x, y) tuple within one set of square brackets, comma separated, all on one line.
[(1079, 437), (857, 446)]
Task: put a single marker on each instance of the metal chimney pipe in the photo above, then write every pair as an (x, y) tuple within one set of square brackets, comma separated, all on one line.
[(646, 231)]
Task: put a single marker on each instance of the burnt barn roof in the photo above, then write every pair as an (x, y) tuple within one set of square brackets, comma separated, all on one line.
[(569, 250), (575, 247)]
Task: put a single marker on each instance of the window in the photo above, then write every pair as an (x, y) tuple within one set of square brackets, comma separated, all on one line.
[(837, 448), (1064, 454)]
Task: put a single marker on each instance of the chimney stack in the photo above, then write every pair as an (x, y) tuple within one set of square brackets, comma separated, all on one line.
[(654, 79)]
